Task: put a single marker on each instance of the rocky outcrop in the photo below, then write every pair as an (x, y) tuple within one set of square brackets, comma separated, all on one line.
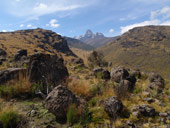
[(47, 69), (121, 75), (59, 100), (156, 82), (11, 74), (113, 107), (21, 53), (77, 61), (144, 110), (118, 74), (137, 73), (101, 73), (2, 53)]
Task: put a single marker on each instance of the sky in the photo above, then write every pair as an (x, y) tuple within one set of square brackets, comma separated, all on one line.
[(73, 17)]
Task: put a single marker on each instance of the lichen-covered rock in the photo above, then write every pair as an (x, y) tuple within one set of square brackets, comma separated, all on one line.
[(46, 69), (118, 74), (113, 107), (59, 100), (11, 74)]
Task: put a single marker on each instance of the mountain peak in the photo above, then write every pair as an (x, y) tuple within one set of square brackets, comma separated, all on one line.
[(89, 33)]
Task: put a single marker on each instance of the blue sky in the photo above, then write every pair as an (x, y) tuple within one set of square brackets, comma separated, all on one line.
[(74, 17)]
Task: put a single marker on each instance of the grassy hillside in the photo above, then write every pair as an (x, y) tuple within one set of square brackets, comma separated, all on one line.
[(33, 40), (147, 48)]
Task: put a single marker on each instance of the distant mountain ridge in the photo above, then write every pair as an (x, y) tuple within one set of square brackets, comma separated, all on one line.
[(95, 40), (75, 43), (146, 48)]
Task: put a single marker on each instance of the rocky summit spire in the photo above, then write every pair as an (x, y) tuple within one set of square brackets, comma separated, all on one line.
[(89, 34)]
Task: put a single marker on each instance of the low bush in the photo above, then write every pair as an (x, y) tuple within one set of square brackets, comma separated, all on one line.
[(9, 119), (16, 90)]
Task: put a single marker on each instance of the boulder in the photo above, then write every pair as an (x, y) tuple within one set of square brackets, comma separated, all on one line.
[(132, 79), (144, 110), (128, 86), (113, 107), (2, 52), (118, 74), (156, 78), (136, 73), (11, 74), (156, 82), (21, 53), (47, 70), (102, 73), (59, 100)]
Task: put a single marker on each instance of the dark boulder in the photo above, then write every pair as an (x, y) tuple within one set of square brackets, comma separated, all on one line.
[(136, 73), (101, 73), (144, 110), (59, 100), (132, 79), (127, 85), (156, 82), (2, 52), (156, 78), (118, 74), (11, 74), (21, 53), (47, 69), (113, 107)]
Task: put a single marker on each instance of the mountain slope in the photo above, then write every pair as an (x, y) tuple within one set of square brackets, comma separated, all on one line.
[(147, 48), (95, 40), (75, 43), (33, 40)]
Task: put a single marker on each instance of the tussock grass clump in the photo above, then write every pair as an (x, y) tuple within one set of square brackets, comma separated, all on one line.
[(80, 87), (9, 118), (16, 89)]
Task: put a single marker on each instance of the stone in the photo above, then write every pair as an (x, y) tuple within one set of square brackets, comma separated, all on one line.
[(101, 73), (59, 100), (12, 74), (2, 52), (144, 110), (118, 74), (21, 53), (113, 107), (47, 70)]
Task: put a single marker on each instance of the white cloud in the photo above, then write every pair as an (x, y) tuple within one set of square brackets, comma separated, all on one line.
[(158, 17), (145, 23), (18, 0), (111, 30), (31, 26), (34, 9), (21, 25), (53, 23), (164, 13), (4, 30)]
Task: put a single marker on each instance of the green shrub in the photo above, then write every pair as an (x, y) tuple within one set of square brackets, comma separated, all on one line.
[(9, 119), (93, 102), (86, 118), (71, 115), (137, 90)]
